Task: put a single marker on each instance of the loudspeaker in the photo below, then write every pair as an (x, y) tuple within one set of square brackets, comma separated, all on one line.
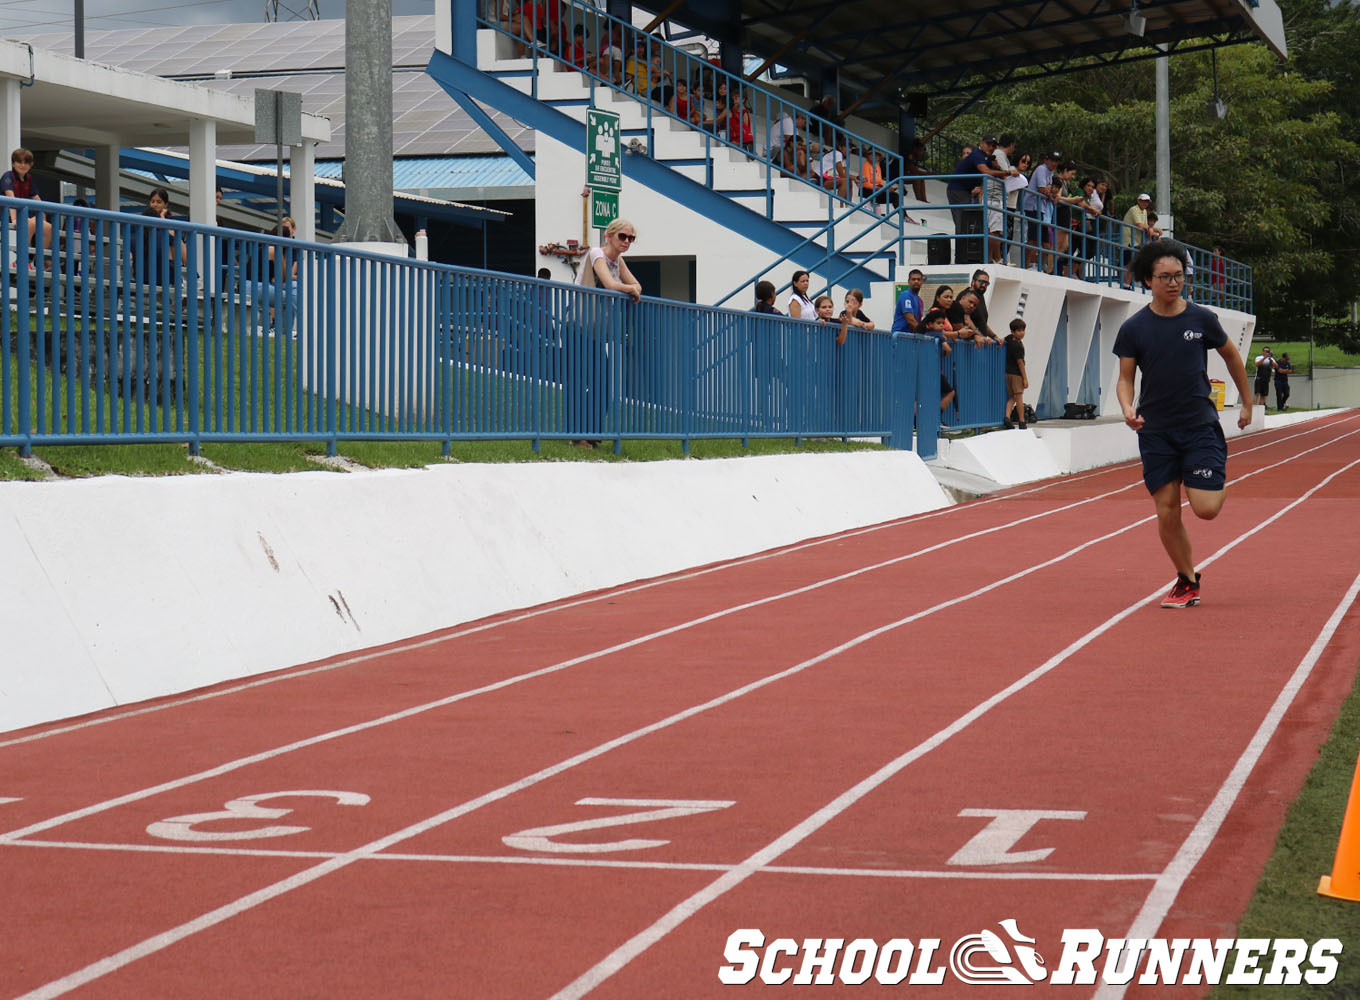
[(916, 105), (937, 250)]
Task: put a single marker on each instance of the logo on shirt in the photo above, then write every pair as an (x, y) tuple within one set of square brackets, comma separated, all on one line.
[(1193, 335)]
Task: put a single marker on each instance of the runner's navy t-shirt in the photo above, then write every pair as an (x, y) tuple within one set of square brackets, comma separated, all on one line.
[(1172, 353)]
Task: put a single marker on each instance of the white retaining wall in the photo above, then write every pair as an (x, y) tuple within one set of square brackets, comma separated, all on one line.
[(116, 589)]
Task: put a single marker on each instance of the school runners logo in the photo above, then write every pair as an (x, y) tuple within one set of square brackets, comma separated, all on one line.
[(1193, 335), (1010, 958), (1024, 968), (1202, 473)]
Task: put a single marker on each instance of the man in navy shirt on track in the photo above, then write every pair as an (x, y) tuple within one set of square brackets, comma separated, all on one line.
[(1179, 436)]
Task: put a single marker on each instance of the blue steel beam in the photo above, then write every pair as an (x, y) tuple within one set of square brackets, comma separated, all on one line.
[(453, 75)]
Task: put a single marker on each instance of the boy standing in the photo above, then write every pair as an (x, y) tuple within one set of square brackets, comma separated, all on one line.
[(1017, 380), (1179, 436)]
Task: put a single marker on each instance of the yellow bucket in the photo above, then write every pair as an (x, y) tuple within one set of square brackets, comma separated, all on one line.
[(1219, 391)]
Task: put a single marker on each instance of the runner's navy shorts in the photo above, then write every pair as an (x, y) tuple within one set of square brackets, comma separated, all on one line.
[(1197, 456)]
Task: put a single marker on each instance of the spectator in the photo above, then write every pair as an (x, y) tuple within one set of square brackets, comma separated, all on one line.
[(1015, 228), (826, 308), (636, 68), (574, 54), (788, 126), (799, 305), (538, 21), (873, 184), (1068, 214), (964, 189), (283, 276), (1038, 203), (663, 91), (979, 285), (1218, 276), (998, 194), (936, 324), (834, 175), (944, 301), (961, 318), (909, 307), (765, 299), (19, 181), (853, 313), (1283, 369), (684, 108), (1265, 368), (1179, 432), (914, 165), (1017, 379), (604, 266), (1136, 232), (586, 396), (609, 63), (739, 128), (1088, 223), (156, 269)]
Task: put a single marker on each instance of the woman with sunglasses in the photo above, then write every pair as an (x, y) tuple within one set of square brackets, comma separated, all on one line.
[(588, 368), (604, 266)]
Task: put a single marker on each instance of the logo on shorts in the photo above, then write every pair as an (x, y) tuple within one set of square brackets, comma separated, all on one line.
[(1202, 473), (1193, 335)]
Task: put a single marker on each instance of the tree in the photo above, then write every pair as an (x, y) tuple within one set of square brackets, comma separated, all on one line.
[(1274, 183)]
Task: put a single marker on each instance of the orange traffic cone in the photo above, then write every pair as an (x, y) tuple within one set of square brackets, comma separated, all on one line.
[(1344, 882)]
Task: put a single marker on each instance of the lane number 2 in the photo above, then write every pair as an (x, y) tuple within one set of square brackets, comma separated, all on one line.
[(540, 838), (245, 808)]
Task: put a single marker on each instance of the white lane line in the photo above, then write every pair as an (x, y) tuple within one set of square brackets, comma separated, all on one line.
[(223, 913), (566, 862), (729, 880), (1169, 884), (265, 755), (552, 608), (645, 939)]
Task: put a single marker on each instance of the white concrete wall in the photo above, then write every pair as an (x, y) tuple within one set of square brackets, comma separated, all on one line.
[(116, 589)]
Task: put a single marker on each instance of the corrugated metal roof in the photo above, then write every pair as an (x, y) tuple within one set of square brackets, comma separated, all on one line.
[(306, 57), (464, 178)]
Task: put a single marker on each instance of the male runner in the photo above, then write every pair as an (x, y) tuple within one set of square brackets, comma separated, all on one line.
[(1179, 436)]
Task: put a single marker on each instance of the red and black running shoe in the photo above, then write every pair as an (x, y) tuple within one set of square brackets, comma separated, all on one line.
[(1184, 593)]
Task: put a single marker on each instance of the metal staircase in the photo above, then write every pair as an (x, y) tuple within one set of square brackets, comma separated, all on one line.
[(693, 159)]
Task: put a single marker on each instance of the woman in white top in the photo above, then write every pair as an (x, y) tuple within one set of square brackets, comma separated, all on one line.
[(604, 266), (799, 305), (587, 392)]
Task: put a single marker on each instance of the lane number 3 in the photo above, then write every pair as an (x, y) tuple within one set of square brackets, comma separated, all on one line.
[(245, 808)]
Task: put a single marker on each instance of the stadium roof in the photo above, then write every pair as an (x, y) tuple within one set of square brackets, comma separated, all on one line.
[(885, 50), (306, 57)]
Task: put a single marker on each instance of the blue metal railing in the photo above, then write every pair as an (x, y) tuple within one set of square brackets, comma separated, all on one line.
[(133, 329)]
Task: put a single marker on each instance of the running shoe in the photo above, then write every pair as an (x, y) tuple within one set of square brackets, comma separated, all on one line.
[(1184, 593)]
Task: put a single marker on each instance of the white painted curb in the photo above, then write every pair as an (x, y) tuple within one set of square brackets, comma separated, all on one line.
[(118, 589)]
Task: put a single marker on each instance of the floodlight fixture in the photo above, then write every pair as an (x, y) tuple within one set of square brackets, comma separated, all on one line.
[(1135, 23)]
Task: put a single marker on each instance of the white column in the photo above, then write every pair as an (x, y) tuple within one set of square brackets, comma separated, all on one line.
[(10, 116), (107, 180), (302, 186), (203, 172)]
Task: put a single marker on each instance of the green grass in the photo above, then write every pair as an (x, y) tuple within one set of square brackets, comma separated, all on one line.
[(1286, 903), (1323, 356), (79, 461)]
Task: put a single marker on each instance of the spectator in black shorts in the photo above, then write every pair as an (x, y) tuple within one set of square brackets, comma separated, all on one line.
[(1179, 436)]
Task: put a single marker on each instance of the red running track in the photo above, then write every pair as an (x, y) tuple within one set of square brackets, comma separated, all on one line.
[(911, 731)]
